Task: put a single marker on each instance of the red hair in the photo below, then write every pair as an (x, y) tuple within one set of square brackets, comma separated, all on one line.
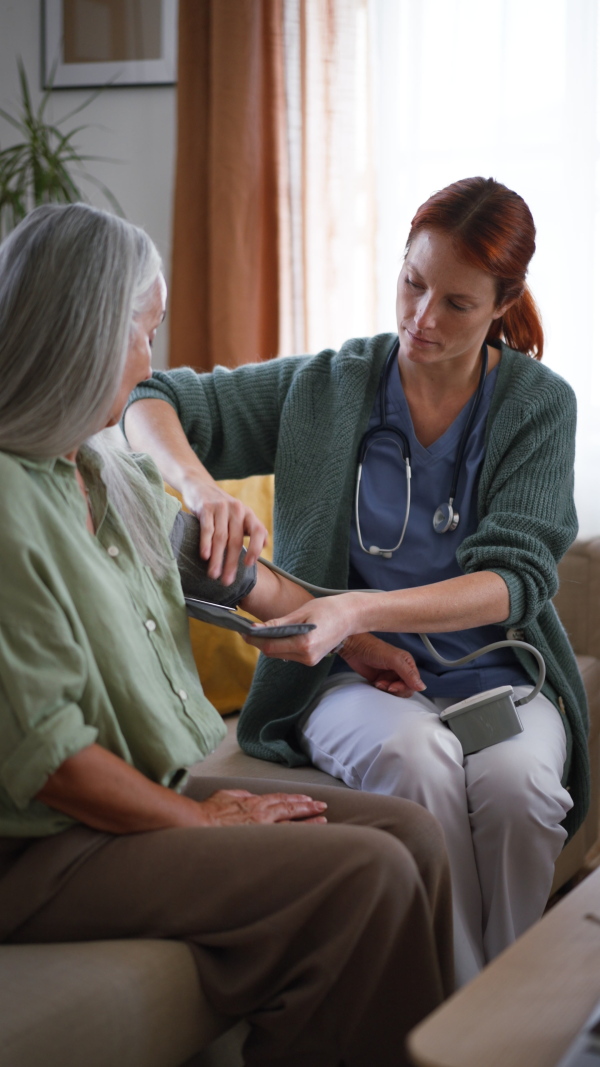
[(493, 230)]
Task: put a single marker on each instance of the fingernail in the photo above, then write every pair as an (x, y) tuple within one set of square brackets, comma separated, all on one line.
[(420, 686)]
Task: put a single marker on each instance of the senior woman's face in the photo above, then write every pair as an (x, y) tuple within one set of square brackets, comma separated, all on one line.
[(139, 355), (444, 306)]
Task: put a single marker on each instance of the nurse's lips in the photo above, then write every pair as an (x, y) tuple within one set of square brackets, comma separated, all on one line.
[(419, 340)]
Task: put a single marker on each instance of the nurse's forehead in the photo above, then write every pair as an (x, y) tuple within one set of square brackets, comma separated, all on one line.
[(429, 258)]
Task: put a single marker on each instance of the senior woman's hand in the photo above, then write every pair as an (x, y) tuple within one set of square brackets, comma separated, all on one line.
[(231, 807), (101, 790)]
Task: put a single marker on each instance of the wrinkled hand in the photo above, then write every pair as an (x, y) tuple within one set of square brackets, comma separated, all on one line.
[(236, 807), (224, 522), (391, 669)]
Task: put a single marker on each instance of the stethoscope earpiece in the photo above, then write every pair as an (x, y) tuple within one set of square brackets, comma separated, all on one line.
[(375, 551), (445, 519)]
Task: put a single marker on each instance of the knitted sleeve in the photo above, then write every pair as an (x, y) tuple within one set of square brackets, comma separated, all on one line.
[(231, 418), (527, 517)]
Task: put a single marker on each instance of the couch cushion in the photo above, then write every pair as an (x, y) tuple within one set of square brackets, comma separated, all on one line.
[(229, 760), (137, 1003)]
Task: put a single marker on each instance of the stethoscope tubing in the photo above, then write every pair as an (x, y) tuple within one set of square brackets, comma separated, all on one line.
[(447, 523)]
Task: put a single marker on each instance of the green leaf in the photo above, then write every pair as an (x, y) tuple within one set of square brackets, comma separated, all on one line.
[(14, 122), (46, 166)]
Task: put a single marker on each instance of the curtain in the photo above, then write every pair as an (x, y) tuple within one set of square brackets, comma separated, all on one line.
[(327, 283), (224, 305), (273, 237), (508, 89)]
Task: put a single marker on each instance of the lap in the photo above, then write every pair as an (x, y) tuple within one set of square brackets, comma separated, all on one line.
[(406, 821), (84, 884), (356, 725)]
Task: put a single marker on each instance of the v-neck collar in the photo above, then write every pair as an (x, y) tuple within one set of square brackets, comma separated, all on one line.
[(397, 404)]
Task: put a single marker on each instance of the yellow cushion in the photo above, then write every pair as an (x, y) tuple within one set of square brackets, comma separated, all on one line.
[(226, 663)]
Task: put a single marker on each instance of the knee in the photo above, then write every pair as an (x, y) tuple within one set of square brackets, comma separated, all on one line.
[(428, 754), (516, 789), (377, 862)]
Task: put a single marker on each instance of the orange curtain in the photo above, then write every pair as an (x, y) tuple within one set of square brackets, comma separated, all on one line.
[(274, 230), (224, 305)]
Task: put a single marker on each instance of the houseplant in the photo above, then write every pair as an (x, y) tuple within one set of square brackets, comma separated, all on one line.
[(45, 166)]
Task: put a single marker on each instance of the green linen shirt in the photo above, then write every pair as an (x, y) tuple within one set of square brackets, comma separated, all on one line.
[(93, 648), (303, 418)]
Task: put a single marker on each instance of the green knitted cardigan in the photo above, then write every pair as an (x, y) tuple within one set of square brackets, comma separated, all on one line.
[(302, 417)]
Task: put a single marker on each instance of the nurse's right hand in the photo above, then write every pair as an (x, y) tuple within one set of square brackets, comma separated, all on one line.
[(224, 522)]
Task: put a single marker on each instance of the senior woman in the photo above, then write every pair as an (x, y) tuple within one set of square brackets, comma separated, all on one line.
[(490, 432), (332, 940)]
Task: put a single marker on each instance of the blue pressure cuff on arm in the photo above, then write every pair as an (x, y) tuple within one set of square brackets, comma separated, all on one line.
[(185, 541)]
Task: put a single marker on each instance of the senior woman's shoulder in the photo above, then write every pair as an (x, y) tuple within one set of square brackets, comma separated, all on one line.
[(16, 477), (146, 481), (25, 503)]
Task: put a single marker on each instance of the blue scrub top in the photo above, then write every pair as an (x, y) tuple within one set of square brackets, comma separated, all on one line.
[(424, 556)]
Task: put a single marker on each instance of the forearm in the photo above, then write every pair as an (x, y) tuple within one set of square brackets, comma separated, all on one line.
[(457, 604), (460, 603), (102, 791), (273, 595), (153, 426)]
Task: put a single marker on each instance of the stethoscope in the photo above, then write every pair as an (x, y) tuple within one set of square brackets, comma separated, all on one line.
[(445, 518)]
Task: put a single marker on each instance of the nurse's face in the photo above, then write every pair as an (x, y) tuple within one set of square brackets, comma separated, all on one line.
[(444, 306)]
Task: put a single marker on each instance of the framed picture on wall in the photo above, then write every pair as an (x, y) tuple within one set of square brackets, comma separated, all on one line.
[(121, 42)]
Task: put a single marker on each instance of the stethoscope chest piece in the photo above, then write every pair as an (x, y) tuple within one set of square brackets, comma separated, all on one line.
[(445, 518)]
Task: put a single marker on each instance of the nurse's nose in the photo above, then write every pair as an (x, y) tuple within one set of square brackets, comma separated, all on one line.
[(425, 313)]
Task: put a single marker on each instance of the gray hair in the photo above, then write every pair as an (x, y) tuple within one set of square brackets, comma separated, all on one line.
[(72, 280)]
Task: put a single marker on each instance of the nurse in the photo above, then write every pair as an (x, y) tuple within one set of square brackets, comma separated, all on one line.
[(490, 435)]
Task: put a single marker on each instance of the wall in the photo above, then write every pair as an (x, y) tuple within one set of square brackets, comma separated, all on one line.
[(135, 126)]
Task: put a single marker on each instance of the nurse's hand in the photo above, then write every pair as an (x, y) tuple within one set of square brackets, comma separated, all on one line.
[(224, 522), (336, 618)]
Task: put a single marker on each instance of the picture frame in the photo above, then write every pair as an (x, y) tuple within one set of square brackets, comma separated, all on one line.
[(114, 43)]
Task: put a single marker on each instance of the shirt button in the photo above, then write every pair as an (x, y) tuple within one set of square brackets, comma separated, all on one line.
[(112, 550), (150, 625), (183, 694)]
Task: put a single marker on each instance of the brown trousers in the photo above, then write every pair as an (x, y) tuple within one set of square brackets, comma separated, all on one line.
[(331, 940)]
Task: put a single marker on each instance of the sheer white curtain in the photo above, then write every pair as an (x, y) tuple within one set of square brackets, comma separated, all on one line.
[(328, 240), (509, 89), (389, 100)]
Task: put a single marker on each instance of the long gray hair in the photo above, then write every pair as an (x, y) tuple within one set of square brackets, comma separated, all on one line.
[(72, 281)]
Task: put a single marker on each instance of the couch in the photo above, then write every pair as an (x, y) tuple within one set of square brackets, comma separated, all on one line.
[(139, 1003)]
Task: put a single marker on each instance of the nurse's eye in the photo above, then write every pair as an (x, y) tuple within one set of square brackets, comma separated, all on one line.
[(457, 307), (412, 284)]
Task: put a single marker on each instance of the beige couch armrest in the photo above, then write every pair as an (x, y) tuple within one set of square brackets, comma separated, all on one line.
[(578, 598)]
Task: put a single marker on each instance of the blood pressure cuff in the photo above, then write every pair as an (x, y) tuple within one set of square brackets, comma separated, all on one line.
[(185, 540)]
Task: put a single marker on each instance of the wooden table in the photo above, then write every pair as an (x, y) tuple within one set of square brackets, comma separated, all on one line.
[(526, 1007)]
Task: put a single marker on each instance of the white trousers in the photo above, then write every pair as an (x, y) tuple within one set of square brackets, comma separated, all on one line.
[(500, 808)]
